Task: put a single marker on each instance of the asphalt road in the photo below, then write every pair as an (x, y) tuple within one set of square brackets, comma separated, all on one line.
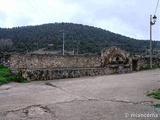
[(110, 97)]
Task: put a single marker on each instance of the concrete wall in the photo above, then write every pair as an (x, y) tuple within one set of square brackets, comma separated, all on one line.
[(52, 61)]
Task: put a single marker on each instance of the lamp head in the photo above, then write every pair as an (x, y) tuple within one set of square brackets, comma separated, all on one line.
[(154, 19)]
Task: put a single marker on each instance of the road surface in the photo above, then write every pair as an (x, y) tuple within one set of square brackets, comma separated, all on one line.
[(109, 97)]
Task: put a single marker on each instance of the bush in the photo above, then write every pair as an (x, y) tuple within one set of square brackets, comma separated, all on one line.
[(20, 79), (148, 68), (155, 94), (157, 105), (6, 76), (3, 80)]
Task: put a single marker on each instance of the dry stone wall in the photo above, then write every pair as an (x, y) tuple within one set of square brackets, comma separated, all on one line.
[(49, 66), (144, 62), (61, 73), (5, 59), (52, 61)]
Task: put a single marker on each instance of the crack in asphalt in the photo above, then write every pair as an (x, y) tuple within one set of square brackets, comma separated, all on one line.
[(3, 89), (130, 102), (74, 93), (52, 113), (91, 99), (75, 100), (46, 108)]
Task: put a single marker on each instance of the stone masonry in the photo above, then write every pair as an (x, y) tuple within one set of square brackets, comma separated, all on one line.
[(53, 61), (48, 66)]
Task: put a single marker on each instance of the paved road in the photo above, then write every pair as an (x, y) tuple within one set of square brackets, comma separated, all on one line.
[(111, 97)]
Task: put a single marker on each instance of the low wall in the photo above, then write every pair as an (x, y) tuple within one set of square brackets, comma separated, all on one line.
[(19, 60), (52, 61), (60, 73), (144, 62), (5, 59)]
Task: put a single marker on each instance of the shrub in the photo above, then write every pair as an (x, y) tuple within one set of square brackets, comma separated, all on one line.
[(157, 105), (6, 76), (155, 94), (148, 68)]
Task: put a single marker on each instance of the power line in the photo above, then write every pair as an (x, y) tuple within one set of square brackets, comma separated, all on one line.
[(38, 11), (156, 7), (42, 11)]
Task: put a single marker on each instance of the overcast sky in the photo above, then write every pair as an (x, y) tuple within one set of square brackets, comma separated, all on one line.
[(127, 17)]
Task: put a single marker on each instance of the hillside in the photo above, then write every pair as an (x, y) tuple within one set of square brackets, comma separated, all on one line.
[(86, 39)]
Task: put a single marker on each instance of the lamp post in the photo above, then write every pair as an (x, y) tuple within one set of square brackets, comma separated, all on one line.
[(152, 22), (63, 43)]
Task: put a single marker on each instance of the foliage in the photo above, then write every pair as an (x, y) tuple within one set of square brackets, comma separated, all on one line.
[(157, 105), (148, 68), (6, 76), (155, 94), (5, 44), (20, 79), (81, 38)]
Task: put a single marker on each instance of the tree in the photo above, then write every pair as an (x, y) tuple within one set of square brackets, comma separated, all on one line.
[(5, 44)]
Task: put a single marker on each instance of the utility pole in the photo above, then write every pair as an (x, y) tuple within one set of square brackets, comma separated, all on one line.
[(73, 52), (77, 49), (151, 41), (154, 18), (63, 43), (37, 46)]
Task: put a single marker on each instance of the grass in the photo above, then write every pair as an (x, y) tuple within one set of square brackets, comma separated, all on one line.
[(6, 76), (155, 94), (157, 105), (49, 84), (148, 68)]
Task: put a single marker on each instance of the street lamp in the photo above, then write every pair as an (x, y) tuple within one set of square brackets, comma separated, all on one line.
[(63, 42), (152, 22)]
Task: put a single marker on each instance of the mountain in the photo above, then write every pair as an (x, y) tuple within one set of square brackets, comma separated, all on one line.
[(85, 39)]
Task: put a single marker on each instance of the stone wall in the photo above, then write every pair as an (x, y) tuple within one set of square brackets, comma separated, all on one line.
[(60, 73), (50, 67), (52, 61), (5, 59), (114, 55), (144, 62)]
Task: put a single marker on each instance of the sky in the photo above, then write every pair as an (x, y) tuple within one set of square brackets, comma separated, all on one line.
[(126, 17)]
